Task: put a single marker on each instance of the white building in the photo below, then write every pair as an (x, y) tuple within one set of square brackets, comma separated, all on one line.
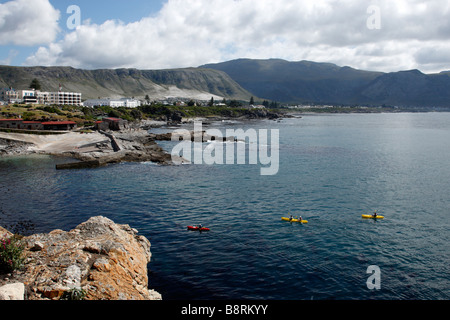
[(9, 95), (27, 96), (32, 96), (63, 98), (114, 103)]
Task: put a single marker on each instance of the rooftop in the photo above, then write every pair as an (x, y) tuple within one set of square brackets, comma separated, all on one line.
[(52, 123)]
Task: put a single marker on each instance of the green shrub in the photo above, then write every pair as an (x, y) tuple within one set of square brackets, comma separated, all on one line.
[(74, 294), (11, 250), (28, 116)]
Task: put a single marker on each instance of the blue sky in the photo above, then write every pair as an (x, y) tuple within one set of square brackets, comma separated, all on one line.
[(98, 11), (101, 10), (381, 35)]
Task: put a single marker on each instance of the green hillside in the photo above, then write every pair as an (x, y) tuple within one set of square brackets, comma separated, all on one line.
[(190, 82)]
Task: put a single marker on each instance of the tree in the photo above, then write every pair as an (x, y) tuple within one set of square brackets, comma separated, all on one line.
[(35, 84), (252, 101), (136, 114), (234, 104), (274, 105), (211, 102)]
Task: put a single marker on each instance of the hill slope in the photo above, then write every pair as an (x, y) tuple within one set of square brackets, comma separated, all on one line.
[(311, 82), (194, 83)]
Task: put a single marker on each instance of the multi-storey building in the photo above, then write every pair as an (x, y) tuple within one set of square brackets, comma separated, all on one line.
[(11, 95), (115, 103), (63, 98)]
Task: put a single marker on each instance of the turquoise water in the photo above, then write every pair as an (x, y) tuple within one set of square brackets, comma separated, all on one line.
[(333, 168)]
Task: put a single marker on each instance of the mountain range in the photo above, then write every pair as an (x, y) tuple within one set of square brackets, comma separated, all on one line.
[(326, 83), (301, 82), (195, 83)]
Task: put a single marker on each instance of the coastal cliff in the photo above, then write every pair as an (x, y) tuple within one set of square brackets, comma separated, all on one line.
[(105, 260)]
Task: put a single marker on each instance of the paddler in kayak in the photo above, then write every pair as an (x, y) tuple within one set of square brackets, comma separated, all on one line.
[(375, 214)]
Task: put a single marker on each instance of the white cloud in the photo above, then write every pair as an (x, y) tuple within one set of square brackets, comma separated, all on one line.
[(28, 23), (193, 32)]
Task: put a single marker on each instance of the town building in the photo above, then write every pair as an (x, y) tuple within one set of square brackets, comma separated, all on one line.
[(9, 95), (65, 98), (115, 124), (11, 123), (32, 96), (59, 125), (32, 125), (42, 97), (114, 103), (37, 125), (27, 96)]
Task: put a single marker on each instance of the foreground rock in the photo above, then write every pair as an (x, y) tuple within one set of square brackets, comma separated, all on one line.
[(13, 147), (106, 260), (13, 291)]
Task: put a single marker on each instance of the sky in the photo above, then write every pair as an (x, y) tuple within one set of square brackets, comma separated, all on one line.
[(378, 35)]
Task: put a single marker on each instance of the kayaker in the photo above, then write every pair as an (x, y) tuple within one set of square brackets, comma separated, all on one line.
[(374, 214), (300, 219), (200, 227), (291, 217)]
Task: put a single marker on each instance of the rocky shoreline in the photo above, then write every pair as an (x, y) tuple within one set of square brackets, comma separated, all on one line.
[(102, 259), (105, 260), (88, 149), (91, 149), (123, 146)]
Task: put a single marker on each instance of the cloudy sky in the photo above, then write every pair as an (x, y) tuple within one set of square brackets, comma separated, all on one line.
[(381, 35)]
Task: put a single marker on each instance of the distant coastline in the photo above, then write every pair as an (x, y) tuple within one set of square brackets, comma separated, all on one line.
[(94, 148)]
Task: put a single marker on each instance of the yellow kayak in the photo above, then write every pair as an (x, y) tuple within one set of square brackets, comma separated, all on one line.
[(370, 216), (294, 220)]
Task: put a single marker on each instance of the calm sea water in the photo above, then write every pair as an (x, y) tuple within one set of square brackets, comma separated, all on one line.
[(333, 168)]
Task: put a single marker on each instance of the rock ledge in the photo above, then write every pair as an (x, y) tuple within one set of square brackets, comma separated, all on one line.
[(106, 260)]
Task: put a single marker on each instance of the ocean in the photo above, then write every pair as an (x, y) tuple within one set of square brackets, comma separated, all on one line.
[(332, 169)]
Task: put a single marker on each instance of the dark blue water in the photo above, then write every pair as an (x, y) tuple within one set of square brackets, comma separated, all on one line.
[(333, 168)]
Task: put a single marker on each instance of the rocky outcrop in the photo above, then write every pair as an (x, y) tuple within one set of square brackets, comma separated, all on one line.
[(5, 233), (91, 150), (202, 136), (130, 146), (106, 260), (13, 147), (262, 114)]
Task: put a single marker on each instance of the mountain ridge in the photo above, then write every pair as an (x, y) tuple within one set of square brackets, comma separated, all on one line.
[(288, 82), (326, 83), (196, 83)]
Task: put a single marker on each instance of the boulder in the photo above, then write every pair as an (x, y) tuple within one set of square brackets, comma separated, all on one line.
[(5, 234), (13, 291), (106, 260)]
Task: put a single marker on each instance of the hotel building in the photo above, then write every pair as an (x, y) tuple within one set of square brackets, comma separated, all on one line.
[(11, 95)]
